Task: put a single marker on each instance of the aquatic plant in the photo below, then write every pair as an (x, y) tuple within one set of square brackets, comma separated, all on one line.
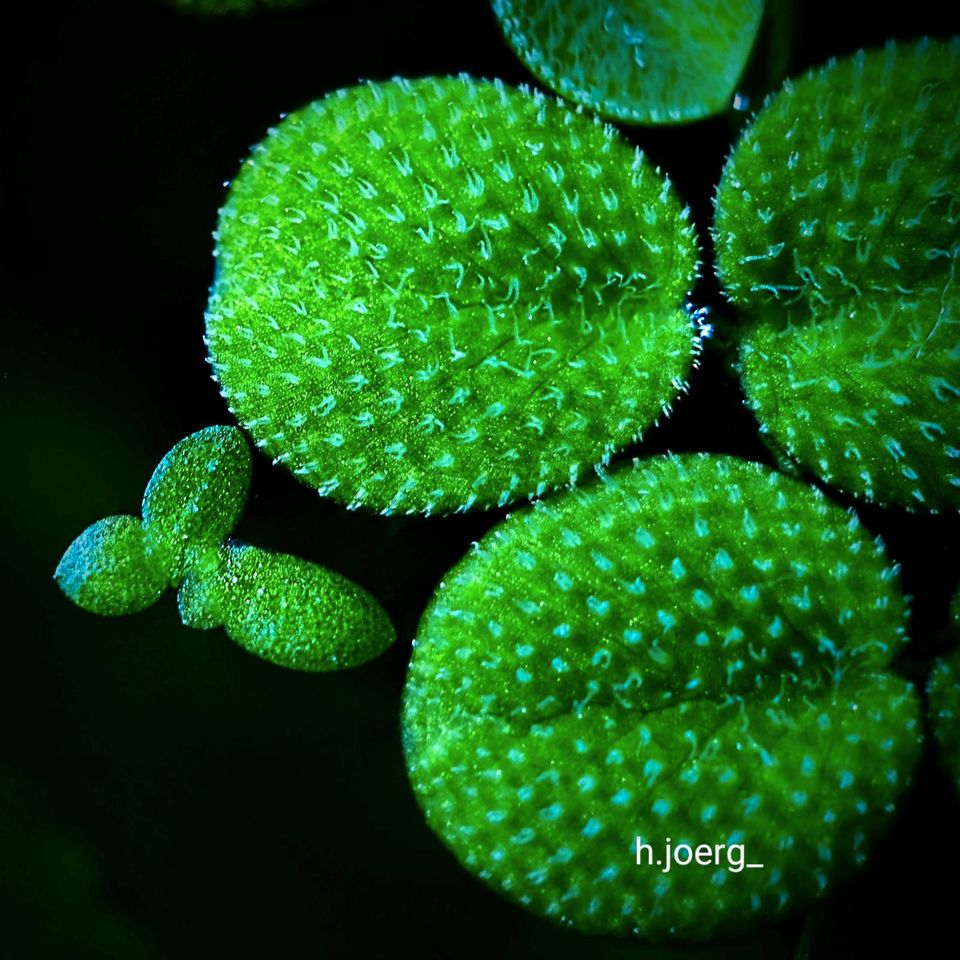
[(635, 61), (288, 611), (944, 702), (698, 649), (837, 236), (445, 293)]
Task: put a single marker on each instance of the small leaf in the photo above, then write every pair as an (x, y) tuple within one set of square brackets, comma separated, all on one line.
[(289, 611), (198, 598), (107, 569), (196, 496)]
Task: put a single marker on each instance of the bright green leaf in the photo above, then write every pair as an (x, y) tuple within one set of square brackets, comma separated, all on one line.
[(836, 234), (289, 611), (441, 293), (636, 61), (699, 649), (107, 569), (196, 496)]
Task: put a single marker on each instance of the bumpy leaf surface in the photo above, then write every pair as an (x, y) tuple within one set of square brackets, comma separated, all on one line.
[(107, 569), (289, 611), (837, 233), (446, 292), (699, 649), (196, 496), (636, 61)]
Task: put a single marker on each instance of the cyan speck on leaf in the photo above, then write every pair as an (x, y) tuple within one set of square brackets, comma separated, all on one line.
[(445, 293), (699, 648), (108, 570), (196, 496), (636, 61), (284, 609), (944, 702), (838, 234), (292, 612)]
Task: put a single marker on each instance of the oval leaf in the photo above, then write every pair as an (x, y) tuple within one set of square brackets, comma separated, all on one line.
[(289, 611), (196, 496), (107, 568)]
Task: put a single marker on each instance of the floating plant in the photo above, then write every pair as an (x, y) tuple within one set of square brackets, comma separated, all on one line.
[(698, 649), (445, 293), (944, 697), (289, 611), (837, 234), (636, 61)]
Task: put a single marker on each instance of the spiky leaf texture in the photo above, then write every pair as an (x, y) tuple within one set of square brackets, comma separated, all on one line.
[(289, 611), (441, 293), (837, 233), (698, 649), (196, 496), (636, 61), (944, 702), (108, 570)]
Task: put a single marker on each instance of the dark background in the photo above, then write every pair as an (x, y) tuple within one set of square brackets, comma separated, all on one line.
[(162, 793)]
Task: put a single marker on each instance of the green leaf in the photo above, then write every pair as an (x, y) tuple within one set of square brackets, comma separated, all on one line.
[(636, 61), (944, 702), (289, 611), (286, 610), (836, 233), (200, 593), (446, 293), (196, 496), (699, 649), (107, 569)]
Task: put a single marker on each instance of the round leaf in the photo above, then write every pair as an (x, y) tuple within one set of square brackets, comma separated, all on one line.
[(441, 293), (697, 650), (836, 233), (636, 61)]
